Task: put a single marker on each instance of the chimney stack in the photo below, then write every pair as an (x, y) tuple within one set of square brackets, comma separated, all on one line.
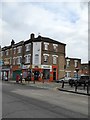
[(12, 42), (32, 36)]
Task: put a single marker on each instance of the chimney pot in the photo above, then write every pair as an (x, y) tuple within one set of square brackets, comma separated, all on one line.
[(32, 36)]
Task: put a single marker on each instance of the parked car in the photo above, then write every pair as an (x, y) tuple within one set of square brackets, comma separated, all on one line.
[(64, 79), (5, 78), (80, 80)]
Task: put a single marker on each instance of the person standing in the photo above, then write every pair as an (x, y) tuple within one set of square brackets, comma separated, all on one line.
[(17, 78), (21, 77)]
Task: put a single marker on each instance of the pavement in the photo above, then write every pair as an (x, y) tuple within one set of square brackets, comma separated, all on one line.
[(56, 86)]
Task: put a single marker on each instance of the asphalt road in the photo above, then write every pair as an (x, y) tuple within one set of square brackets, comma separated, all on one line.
[(20, 101)]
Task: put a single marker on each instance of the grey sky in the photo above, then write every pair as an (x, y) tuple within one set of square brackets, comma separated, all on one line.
[(66, 22)]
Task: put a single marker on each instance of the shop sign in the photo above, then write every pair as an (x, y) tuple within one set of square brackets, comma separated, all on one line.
[(25, 66), (47, 67)]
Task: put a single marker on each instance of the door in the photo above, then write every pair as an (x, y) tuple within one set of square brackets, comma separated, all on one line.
[(15, 73), (54, 74)]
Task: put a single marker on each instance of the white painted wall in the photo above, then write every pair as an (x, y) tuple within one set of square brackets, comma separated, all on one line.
[(36, 51)]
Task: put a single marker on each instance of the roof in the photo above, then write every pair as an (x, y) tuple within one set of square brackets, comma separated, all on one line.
[(18, 44), (44, 39), (6, 47), (73, 58), (15, 45)]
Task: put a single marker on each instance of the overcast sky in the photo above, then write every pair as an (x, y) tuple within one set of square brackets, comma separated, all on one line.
[(66, 22)]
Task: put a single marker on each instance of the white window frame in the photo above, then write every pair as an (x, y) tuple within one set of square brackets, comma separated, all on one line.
[(7, 52), (2, 53), (27, 58), (28, 46), (54, 59), (14, 60), (45, 57), (68, 73), (76, 63), (19, 59), (19, 49), (68, 63), (46, 45), (14, 50), (55, 47)]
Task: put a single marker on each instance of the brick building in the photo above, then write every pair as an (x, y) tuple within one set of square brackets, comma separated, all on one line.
[(41, 54), (0, 62), (85, 68), (17, 59), (45, 55), (71, 65)]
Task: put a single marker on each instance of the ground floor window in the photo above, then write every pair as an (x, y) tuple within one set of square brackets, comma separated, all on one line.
[(68, 74), (46, 74)]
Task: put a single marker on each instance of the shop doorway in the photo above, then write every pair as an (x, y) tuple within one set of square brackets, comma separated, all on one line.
[(15, 73), (36, 75), (46, 74), (54, 74)]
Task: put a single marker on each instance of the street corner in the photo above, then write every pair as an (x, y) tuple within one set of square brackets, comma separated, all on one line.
[(56, 88)]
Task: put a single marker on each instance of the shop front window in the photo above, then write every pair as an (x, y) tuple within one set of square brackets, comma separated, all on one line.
[(46, 74)]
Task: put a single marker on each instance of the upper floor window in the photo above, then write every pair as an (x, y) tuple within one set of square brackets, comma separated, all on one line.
[(14, 51), (55, 47), (14, 60), (68, 63), (46, 45), (76, 63), (7, 52), (0, 54), (45, 57), (54, 59), (27, 58), (19, 49), (28, 47), (19, 59)]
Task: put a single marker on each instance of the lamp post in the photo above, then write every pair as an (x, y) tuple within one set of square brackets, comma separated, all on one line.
[(77, 69)]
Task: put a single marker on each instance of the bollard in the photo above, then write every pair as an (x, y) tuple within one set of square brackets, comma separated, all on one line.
[(87, 89), (34, 81), (43, 79), (71, 84), (75, 86), (84, 86), (62, 84)]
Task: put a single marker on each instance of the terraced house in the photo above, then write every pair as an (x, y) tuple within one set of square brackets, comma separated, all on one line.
[(71, 65), (41, 54)]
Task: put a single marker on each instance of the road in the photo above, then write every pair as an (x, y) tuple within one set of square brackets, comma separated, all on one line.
[(20, 101)]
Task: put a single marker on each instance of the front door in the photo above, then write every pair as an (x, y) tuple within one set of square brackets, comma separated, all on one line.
[(54, 74)]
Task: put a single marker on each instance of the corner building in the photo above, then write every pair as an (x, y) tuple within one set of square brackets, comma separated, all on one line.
[(46, 56)]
